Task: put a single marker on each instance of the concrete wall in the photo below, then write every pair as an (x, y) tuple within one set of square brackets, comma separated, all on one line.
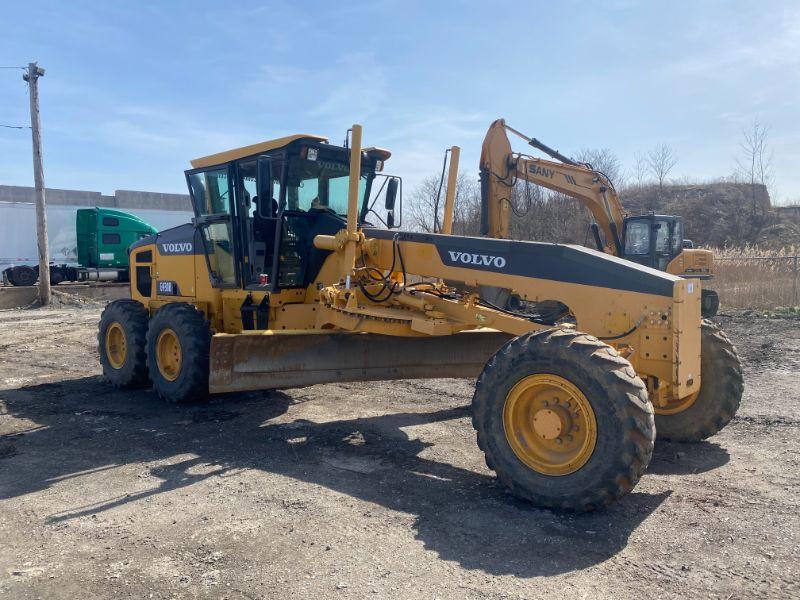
[(18, 297), (122, 199)]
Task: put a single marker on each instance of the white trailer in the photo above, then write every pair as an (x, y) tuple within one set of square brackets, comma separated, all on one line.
[(18, 231)]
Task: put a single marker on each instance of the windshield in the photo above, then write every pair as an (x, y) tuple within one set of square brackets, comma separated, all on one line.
[(321, 184), (662, 236), (677, 237), (637, 237)]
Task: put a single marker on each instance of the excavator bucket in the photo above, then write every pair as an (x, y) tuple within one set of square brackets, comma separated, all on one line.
[(242, 362)]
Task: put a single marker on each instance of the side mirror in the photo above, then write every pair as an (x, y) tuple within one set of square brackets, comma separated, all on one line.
[(391, 197), (688, 244)]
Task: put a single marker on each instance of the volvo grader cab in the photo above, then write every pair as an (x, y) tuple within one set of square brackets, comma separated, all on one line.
[(289, 277), (653, 240)]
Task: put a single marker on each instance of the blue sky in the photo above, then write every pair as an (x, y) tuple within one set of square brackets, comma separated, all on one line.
[(134, 91)]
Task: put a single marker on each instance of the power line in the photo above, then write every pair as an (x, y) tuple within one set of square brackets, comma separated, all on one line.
[(23, 68), (15, 126)]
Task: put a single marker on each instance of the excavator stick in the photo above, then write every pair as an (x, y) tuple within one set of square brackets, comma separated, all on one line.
[(277, 361)]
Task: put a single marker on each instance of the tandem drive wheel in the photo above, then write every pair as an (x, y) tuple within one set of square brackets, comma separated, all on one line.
[(121, 341), (563, 420), (178, 343)]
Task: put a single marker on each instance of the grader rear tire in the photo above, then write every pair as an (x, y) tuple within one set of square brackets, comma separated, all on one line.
[(121, 339), (719, 396), (563, 420), (178, 344)]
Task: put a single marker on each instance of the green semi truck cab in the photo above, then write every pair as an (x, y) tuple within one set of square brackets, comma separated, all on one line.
[(103, 237)]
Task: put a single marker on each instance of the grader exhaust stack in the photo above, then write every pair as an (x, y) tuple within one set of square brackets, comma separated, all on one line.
[(283, 282)]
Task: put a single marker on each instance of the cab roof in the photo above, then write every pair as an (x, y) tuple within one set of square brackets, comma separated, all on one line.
[(244, 151)]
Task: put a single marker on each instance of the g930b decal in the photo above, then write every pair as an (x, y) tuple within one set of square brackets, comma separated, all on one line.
[(168, 288)]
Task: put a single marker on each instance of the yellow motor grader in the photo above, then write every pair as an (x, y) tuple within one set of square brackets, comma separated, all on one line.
[(285, 279)]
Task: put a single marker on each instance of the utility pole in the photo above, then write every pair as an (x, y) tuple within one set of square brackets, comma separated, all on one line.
[(32, 77)]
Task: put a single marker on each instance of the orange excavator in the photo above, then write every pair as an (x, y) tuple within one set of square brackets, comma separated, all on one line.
[(652, 240)]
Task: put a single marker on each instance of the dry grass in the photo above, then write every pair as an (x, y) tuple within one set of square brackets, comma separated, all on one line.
[(756, 278)]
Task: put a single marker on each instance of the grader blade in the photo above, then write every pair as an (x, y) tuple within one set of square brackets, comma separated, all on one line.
[(243, 362)]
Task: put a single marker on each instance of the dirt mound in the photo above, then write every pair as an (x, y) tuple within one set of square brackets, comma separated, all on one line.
[(716, 214)]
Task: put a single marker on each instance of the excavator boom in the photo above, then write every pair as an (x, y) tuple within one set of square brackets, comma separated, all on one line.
[(501, 168)]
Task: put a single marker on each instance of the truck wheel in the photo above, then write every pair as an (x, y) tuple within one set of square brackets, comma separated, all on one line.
[(563, 420), (712, 408), (57, 275), (121, 343), (178, 344), (23, 276)]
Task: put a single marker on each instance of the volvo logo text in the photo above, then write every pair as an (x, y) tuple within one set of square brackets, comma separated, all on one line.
[(177, 247), (482, 260)]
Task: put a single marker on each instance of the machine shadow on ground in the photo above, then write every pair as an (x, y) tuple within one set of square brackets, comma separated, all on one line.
[(463, 515)]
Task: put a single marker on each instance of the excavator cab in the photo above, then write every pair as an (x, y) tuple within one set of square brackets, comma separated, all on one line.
[(652, 240), (657, 241)]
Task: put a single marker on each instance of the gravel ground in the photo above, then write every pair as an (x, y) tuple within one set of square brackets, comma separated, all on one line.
[(357, 490)]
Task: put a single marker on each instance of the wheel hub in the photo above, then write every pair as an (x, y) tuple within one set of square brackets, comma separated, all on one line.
[(549, 424), (168, 354), (116, 345)]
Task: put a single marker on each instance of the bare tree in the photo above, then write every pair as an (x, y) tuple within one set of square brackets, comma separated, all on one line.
[(660, 161), (421, 204), (754, 166), (640, 169), (466, 209), (603, 160)]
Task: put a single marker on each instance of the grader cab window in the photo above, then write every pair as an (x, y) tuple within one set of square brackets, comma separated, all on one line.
[(320, 184), (211, 198), (210, 192), (315, 202)]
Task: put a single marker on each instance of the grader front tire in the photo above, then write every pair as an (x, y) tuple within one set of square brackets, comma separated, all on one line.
[(563, 420), (178, 344), (719, 396)]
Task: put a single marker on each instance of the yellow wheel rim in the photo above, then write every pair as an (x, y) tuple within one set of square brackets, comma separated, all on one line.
[(677, 406), (116, 345), (168, 354), (549, 424)]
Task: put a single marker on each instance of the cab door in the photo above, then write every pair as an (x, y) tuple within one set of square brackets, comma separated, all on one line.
[(211, 192), (257, 189), (638, 240)]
